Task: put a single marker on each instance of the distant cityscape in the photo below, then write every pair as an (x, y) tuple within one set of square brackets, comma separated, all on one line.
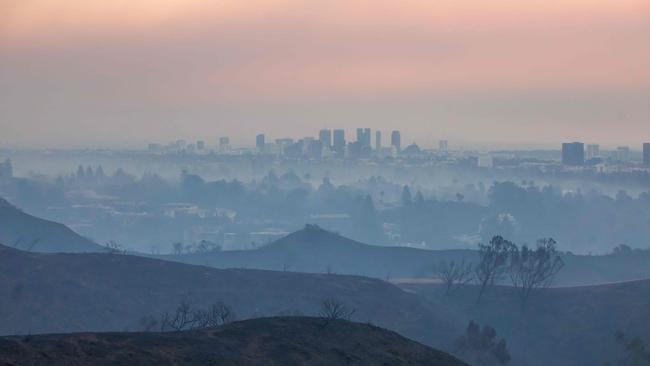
[(332, 144)]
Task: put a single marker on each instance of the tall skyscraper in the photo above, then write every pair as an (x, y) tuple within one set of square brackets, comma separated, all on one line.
[(573, 153), (363, 138), (200, 145), (646, 153), (339, 142), (443, 146), (378, 140), (259, 142), (593, 151), (325, 138), (396, 140)]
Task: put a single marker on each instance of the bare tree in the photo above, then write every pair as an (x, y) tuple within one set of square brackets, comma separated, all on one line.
[(186, 318), (333, 309), (221, 313), (493, 263), (182, 319), (531, 269), (454, 274)]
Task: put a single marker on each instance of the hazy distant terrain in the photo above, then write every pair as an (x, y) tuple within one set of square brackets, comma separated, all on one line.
[(266, 341), (26, 232), (316, 250)]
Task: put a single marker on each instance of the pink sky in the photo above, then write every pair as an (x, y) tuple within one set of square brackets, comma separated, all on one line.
[(436, 69)]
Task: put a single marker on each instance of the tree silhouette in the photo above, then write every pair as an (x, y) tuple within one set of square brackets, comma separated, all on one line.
[(493, 263), (531, 269)]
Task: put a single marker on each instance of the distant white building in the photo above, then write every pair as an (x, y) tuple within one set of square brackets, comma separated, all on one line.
[(485, 161), (593, 151), (623, 153)]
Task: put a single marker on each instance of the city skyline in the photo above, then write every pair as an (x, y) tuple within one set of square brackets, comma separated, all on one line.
[(123, 73)]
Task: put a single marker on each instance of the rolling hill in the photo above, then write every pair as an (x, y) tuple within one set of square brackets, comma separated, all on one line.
[(46, 293), (264, 341), (561, 326), (315, 250), (26, 232)]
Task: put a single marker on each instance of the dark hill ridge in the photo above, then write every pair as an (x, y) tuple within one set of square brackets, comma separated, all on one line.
[(264, 341), (27, 232), (48, 293), (561, 326), (316, 250)]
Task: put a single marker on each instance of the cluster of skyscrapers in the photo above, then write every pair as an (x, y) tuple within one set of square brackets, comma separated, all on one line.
[(332, 143), (575, 154)]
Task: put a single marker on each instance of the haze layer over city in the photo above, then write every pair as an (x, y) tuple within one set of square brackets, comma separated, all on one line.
[(325, 182)]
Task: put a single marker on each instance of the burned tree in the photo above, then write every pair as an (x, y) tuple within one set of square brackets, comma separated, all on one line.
[(186, 318), (220, 313), (493, 263), (182, 319), (333, 309), (454, 274), (532, 269)]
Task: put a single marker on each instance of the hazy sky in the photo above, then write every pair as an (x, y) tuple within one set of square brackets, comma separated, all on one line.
[(126, 72)]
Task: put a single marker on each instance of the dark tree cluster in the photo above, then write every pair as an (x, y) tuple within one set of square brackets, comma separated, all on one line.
[(633, 351), (480, 346), (528, 268)]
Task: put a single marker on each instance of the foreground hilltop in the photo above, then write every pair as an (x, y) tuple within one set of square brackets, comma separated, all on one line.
[(265, 341), (58, 293)]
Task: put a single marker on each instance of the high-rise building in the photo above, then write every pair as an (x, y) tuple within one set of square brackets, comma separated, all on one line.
[(443, 146), (259, 142), (325, 138), (396, 140), (378, 140), (224, 141), (363, 138), (573, 153), (200, 145), (646, 154), (367, 138), (339, 142), (623, 153), (593, 151)]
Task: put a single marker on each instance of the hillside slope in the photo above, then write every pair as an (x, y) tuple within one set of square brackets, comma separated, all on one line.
[(27, 232), (46, 293), (265, 341), (561, 326), (318, 251)]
